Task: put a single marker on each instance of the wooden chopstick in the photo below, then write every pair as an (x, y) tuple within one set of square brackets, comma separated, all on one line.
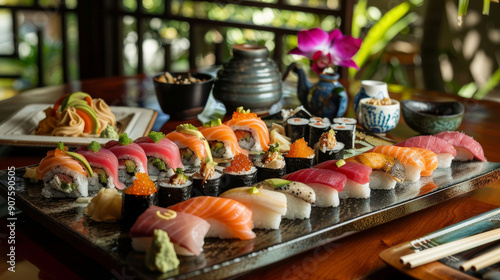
[(482, 261), (450, 248)]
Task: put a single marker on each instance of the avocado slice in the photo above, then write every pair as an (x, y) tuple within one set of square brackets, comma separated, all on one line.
[(85, 108), (75, 96), (213, 123), (160, 164), (276, 182), (83, 160)]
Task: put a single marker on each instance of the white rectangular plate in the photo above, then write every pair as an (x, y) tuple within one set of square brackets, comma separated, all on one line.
[(18, 129)]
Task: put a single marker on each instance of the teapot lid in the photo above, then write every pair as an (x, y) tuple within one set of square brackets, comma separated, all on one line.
[(250, 50)]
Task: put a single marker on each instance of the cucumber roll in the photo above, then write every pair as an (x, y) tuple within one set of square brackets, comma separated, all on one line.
[(316, 129), (240, 172), (174, 189), (137, 198), (271, 165), (299, 157), (297, 128), (328, 148)]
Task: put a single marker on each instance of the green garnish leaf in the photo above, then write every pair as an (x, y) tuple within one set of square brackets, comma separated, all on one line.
[(340, 163), (241, 110), (124, 139), (94, 146), (60, 145), (178, 171), (253, 190), (156, 136)]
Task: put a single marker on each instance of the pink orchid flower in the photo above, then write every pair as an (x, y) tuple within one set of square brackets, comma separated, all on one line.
[(327, 49)]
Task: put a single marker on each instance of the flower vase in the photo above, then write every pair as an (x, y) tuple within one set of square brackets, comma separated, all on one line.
[(328, 97)]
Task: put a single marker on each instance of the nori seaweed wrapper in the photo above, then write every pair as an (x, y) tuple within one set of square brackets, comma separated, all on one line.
[(295, 163), (243, 180), (315, 133), (212, 187), (336, 153), (171, 194), (297, 130), (134, 205), (345, 135), (264, 173)]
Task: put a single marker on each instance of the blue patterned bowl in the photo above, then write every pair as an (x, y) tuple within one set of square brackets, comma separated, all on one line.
[(432, 117), (378, 118)]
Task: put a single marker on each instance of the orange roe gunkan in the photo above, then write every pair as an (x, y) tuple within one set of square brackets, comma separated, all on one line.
[(299, 149), (240, 163), (142, 185)]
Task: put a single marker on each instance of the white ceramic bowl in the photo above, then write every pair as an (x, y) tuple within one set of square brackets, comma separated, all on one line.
[(378, 118)]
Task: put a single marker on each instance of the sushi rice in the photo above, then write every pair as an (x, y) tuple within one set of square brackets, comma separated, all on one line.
[(250, 143), (52, 183)]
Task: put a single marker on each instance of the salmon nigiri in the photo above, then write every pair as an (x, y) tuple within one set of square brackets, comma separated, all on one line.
[(228, 218), (431, 161), (444, 150), (222, 140), (386, 170), (414, 163), (250, 130)]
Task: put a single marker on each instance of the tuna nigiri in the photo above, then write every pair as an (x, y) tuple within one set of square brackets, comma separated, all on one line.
[(414, 163), (267, 206), (104, 164), (131, 157), (228, 218), (386, 170), (443, 149), (186, 231), (467, 148), (250, 130), (358, 177), (163, 155), (222, 140), (326, 184)]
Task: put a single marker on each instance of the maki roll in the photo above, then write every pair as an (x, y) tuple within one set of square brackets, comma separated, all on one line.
[(272, 164), (104, 166), (297, 128), (131, 158), (250, 130), (349, 121), (64, 173), (299, 157), (207, 183), (240, 172), (222, 140), (163, 155), (345, 133), (137, 198), (299, 112), (174, 189), (328, 148), (192, 148), (316, 129)]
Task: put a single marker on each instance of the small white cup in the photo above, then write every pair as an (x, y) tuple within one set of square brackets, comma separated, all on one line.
[(378, 119), (375, 89)]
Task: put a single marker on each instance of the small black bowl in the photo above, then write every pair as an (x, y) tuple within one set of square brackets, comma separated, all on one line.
[(183, 101), (432, 117)]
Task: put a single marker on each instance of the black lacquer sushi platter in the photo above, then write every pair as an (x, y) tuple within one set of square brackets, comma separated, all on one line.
[(110, 246)]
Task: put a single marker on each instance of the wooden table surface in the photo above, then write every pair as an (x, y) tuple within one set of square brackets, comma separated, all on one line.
[(352, 257)]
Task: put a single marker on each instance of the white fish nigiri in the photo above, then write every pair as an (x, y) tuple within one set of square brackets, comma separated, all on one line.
[(299, 196), (267, 206)]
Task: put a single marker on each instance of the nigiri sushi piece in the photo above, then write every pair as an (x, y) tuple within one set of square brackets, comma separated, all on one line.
[(104, 164), (299, 196), (131, 157), (443, 149), (163, 155), (414, 163), (267, 206), (186, 231), (358, 177), (228, 218), (64, 173), (222, 140), (327, 184), (192, 148), (250, 130), (467, 148), (431, 161), (386, 170)]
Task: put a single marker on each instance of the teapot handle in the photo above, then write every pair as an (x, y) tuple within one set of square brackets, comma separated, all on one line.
[(290, 67)]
